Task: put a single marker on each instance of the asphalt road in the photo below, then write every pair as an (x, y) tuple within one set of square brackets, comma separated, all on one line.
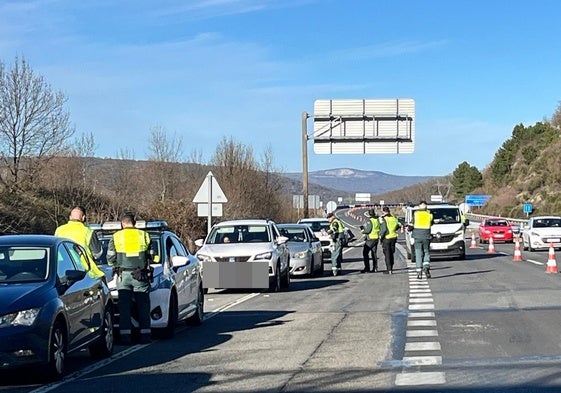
[(486, 324)]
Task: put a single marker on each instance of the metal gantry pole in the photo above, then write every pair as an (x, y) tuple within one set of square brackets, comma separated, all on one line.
[(305, 162)]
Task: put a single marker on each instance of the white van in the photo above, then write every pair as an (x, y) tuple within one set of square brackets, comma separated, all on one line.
[(448, 232)]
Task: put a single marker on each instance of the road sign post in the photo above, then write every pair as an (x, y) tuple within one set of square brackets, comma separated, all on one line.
[(209, 193)]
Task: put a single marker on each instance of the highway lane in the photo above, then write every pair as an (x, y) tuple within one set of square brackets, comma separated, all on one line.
[(496, 324)]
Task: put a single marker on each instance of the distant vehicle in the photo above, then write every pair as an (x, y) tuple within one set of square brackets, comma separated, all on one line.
[(496, 228), (448, 232), (320, 227), (176, 292), (50, 305), (251, 240), (305, 249), (540, 232)]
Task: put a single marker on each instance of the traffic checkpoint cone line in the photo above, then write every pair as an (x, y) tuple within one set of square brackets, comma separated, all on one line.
[(517, 253), (473, 243), (551, 266), (491, 249)]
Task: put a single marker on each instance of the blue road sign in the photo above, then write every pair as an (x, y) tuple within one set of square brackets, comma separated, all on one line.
[(527, 208), (477, 200)]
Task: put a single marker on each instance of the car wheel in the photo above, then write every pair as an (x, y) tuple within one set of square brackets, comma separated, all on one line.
[(274, 286), (321, 269), (57, 352), (103, 346), (285, 283), (197, 318), (462, 256), (169, 331)]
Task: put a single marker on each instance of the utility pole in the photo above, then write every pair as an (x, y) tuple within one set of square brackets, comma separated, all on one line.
[(305, 116)]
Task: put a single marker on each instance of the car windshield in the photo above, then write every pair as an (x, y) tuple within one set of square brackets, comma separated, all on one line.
[(317, 226), (23, 264), (239, 234), (497, 223), (547, 223), (446, 216), (294, 234)]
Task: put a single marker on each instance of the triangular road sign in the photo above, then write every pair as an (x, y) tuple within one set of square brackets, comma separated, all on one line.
[(202, 195)]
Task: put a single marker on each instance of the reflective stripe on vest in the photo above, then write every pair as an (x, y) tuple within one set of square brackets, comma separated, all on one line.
[(131, 245), (375, 232), (392, 223), (422, 219)]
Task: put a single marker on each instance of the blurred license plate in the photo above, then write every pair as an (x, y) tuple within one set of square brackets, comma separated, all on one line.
[(553, 240)]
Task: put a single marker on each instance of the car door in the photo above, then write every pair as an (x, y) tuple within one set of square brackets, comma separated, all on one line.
[(315, 247), (77, 297), (180, 274), (284, 254)]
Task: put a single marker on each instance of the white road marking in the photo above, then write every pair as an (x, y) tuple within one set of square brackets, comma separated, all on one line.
[(420, 378), (535, 262), (423, 346), (416, 300), (421, 333), (424, 322), (421, 307), (421, 314), (422, 360), (420, 295)]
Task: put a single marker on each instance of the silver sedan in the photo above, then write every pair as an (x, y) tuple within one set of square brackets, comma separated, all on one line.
[(305, 249)]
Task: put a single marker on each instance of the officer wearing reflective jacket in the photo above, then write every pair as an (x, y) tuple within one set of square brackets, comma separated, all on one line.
[(76, 229), (389, 225), (422, 221), (336, 231), (371, 231), (129, 252)]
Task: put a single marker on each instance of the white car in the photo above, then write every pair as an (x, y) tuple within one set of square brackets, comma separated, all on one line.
[(320, 226), (176, 292), (230, 244), (540, 232), (305, 249)]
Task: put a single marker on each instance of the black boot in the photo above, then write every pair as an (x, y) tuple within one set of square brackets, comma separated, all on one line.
[(427, 272)]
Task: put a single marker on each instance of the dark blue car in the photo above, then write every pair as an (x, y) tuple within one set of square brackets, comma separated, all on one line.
[(50, 305)]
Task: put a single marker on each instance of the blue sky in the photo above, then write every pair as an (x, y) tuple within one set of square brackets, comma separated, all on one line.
[(247, 69)]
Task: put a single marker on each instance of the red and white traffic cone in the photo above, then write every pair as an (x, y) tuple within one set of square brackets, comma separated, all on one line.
[(491, 249), (517, 252), (551, 266), (473, 243)]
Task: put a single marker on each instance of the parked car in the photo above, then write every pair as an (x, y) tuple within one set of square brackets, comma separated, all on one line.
[(50, 305), (496, 228), (176, 291), (305, 249), (540, 232), (253, 240)]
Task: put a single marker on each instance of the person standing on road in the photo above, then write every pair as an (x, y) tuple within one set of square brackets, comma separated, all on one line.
[(389, 227), (371, 231), (129, 252), (421, 224), (336, 231), (77, 230)]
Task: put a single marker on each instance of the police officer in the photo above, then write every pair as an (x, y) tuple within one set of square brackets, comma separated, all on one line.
[(336, 231), (129, 252), (422, 221), (389, 227), (371, 231), (76, 229)]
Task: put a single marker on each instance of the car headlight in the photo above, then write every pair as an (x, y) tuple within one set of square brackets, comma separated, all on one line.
[(301, 254), (265, 255), (204, 258), (20, 318)]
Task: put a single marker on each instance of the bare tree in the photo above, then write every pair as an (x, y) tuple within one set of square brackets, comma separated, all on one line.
[(165, 153), (34, 126), (556, 118)]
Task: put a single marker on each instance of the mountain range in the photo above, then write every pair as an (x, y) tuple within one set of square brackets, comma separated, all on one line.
[(353, 181)]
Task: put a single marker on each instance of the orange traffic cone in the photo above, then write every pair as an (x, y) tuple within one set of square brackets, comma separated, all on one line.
[(551, 266), (473, 243), (517, 252), (491, 246)]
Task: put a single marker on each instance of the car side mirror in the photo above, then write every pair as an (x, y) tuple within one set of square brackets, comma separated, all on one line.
[(73, 276), (180, 260), (282, 239), (199, 242), (315, 239)]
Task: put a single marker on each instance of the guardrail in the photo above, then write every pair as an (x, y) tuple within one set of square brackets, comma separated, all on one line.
[(480, 217)]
